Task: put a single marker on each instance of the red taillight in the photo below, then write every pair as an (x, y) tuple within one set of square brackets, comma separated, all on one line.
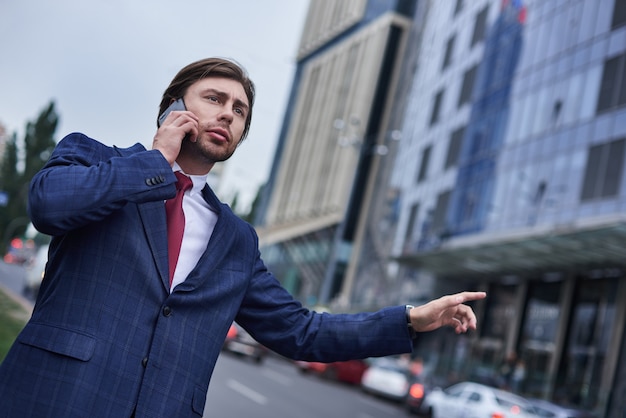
[(497, 415), (232, 332), (516, 409), (417, 390)]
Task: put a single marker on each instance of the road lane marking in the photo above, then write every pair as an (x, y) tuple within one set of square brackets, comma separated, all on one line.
[(277, 377), (246, 391)]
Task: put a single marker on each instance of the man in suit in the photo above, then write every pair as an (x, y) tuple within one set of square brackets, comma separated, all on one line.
[(113, 332)]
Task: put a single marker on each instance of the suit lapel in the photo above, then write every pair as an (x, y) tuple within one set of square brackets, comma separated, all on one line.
[(155, 226)]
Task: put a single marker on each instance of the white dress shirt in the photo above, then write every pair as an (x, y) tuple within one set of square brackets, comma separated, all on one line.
[(200, 220)]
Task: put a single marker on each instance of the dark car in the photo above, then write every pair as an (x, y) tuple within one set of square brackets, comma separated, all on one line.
[(239, 342), (414, 400), (350, 371)]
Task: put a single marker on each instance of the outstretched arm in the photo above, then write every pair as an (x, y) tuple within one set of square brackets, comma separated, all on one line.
[(446, 311)]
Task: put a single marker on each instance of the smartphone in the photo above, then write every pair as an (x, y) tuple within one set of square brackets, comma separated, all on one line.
[(176, 105)]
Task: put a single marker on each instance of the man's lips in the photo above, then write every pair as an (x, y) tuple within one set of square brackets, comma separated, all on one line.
[(220, 134)]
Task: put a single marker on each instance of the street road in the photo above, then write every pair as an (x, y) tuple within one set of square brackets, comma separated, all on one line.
[(12, 277), (241, 388)]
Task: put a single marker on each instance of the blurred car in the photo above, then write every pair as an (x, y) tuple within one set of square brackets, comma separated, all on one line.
[(387, 378), (20, 251), (238, 341), (350, 371), (546, 409), (418, 388), (469, 399), (35, 271)]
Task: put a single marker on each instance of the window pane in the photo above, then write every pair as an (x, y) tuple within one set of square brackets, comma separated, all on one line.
[(454, 147), (434, 117), (448, 56), (424, 165), (459, 6), (619, 14), (479, 26), (439, 217), (468, 86), (591, 173), (408, 235), (608, 85), (614, 167)]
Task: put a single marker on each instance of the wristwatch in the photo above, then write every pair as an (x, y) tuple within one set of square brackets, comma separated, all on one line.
[(408, 321)]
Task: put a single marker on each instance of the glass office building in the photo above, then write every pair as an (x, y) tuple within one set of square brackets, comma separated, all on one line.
[(511, 179)]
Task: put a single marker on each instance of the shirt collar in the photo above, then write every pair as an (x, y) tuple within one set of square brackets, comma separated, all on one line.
[(199, 181)]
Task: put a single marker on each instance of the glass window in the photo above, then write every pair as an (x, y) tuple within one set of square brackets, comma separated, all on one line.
[(468, 85), (619, 14), (434, 116), (480, 26), (447, 59), (441, 209), (540, 329), (603, 173), (458, 7), (593, 316), (604, 17), (454, 147), (424, 165), (408, 235), (614, 167), (474, 397), (610, 80)]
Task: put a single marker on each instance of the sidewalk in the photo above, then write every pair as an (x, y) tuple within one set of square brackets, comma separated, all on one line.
[(14, 313)]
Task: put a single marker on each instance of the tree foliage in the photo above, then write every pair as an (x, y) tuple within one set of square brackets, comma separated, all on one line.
[(16, 173)]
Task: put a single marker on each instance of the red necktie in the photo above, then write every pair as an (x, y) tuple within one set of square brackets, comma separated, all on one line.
[(176, 221)]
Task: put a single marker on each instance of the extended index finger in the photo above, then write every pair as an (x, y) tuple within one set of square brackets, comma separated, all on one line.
[(467, 297)]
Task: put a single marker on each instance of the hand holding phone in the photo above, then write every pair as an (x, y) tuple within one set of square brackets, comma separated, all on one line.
[(169, 147), (176, 105)]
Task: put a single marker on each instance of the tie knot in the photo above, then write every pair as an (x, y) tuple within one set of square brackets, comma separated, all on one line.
[(184, 182)]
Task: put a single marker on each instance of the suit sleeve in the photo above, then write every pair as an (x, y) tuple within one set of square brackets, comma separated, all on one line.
[(84, 181), (281, 323)]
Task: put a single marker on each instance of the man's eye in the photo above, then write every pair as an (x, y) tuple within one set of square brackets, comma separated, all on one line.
[(213, 98), (240, 111)]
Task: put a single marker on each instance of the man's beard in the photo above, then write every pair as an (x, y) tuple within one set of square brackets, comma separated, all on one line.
[(206, 150)]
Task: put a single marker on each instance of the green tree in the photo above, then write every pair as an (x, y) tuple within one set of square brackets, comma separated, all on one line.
[(38, 145)]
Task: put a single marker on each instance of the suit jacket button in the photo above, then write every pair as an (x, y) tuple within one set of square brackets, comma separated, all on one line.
[(149, 182), (144, 362), (167, 311)]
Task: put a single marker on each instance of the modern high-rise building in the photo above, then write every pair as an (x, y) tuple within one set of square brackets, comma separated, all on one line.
[(510, 178), (337, 126)]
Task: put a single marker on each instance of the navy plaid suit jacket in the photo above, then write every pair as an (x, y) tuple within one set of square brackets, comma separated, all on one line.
[(106, 338)]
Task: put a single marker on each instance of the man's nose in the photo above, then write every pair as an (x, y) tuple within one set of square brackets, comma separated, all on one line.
[(226, 114)]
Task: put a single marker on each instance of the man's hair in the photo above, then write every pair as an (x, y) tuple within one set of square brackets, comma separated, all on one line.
[(209, 67)]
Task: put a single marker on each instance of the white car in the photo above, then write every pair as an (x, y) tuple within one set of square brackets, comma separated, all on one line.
[(386, 378), (473, 400)]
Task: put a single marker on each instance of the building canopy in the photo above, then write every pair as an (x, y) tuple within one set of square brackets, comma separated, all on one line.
[(602, 244)]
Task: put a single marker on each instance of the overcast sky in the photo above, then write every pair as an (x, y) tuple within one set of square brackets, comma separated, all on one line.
[(106, 64)]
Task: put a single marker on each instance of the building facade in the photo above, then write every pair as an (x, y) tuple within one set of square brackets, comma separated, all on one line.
[(335, 129), (510, 178)]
